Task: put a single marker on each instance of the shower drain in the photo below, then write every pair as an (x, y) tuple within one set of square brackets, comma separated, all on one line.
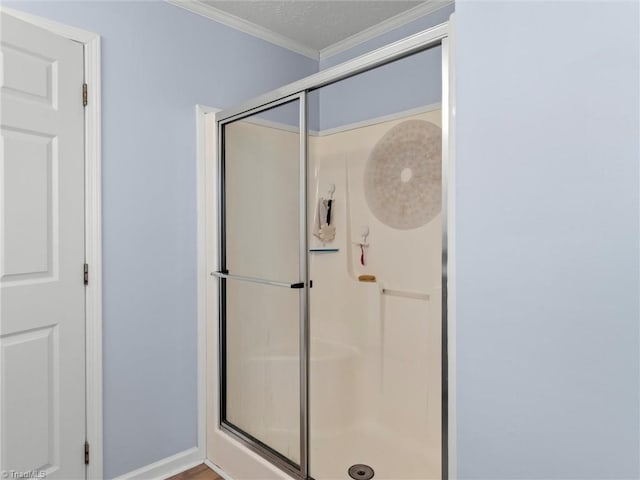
[(361, 472)]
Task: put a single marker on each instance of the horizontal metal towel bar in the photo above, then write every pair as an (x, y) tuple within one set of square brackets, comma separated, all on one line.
[(261, 281), (402, 293)]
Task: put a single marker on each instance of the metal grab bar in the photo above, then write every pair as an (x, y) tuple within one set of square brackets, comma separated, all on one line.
[(402, 293), (261, 281)]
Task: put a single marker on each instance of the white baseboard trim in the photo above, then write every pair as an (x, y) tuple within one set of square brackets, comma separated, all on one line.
[(217, 469), (166, 467)]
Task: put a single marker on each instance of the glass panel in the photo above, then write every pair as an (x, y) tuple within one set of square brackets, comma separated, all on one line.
[(262, 177), (262, 366), (375, 261), (262, 235)]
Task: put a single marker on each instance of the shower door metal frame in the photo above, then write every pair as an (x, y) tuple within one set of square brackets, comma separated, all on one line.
[(433, 37), (223, 275)]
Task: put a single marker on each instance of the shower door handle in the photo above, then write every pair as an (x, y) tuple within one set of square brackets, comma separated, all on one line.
[(261, 281)]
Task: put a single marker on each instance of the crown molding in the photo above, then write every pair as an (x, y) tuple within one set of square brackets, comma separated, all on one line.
[(201, 8), (233, 21), (429, 6)]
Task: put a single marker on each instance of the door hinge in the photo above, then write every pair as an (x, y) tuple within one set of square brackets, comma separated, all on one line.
[(86, 453), (85, 95), (86, 274)]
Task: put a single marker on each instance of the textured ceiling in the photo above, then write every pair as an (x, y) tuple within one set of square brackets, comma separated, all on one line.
[(316, 24)]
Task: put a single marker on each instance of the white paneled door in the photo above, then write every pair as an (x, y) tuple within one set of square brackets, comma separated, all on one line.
[(42, 298)]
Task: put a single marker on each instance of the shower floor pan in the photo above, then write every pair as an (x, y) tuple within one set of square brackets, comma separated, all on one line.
[(391, 458), (340, 437)]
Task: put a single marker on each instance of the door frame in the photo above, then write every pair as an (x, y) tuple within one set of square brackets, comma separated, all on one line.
[(92, 228), (246, 462)]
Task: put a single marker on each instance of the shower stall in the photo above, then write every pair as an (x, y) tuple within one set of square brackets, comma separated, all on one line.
[(327, 300)]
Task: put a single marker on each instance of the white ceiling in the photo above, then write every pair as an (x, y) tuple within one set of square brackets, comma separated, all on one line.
[(315, 28), (315, 24)]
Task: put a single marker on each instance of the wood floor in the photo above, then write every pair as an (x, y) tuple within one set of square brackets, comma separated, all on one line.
[(201, 472)]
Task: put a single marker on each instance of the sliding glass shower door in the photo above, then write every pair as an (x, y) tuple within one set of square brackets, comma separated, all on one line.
[(338, 182), (262, 279)]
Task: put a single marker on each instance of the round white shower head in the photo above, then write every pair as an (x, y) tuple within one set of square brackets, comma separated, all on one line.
[(402, 178)]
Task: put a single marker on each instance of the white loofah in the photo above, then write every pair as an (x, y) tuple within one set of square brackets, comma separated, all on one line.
[(327, 233)]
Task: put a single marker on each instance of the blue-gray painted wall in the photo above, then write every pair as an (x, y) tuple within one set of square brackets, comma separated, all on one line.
[(548, 155), (158, 62), (405, 84), (412, 82)]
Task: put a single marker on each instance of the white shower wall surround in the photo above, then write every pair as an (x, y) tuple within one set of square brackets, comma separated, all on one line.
[(375, 359)]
